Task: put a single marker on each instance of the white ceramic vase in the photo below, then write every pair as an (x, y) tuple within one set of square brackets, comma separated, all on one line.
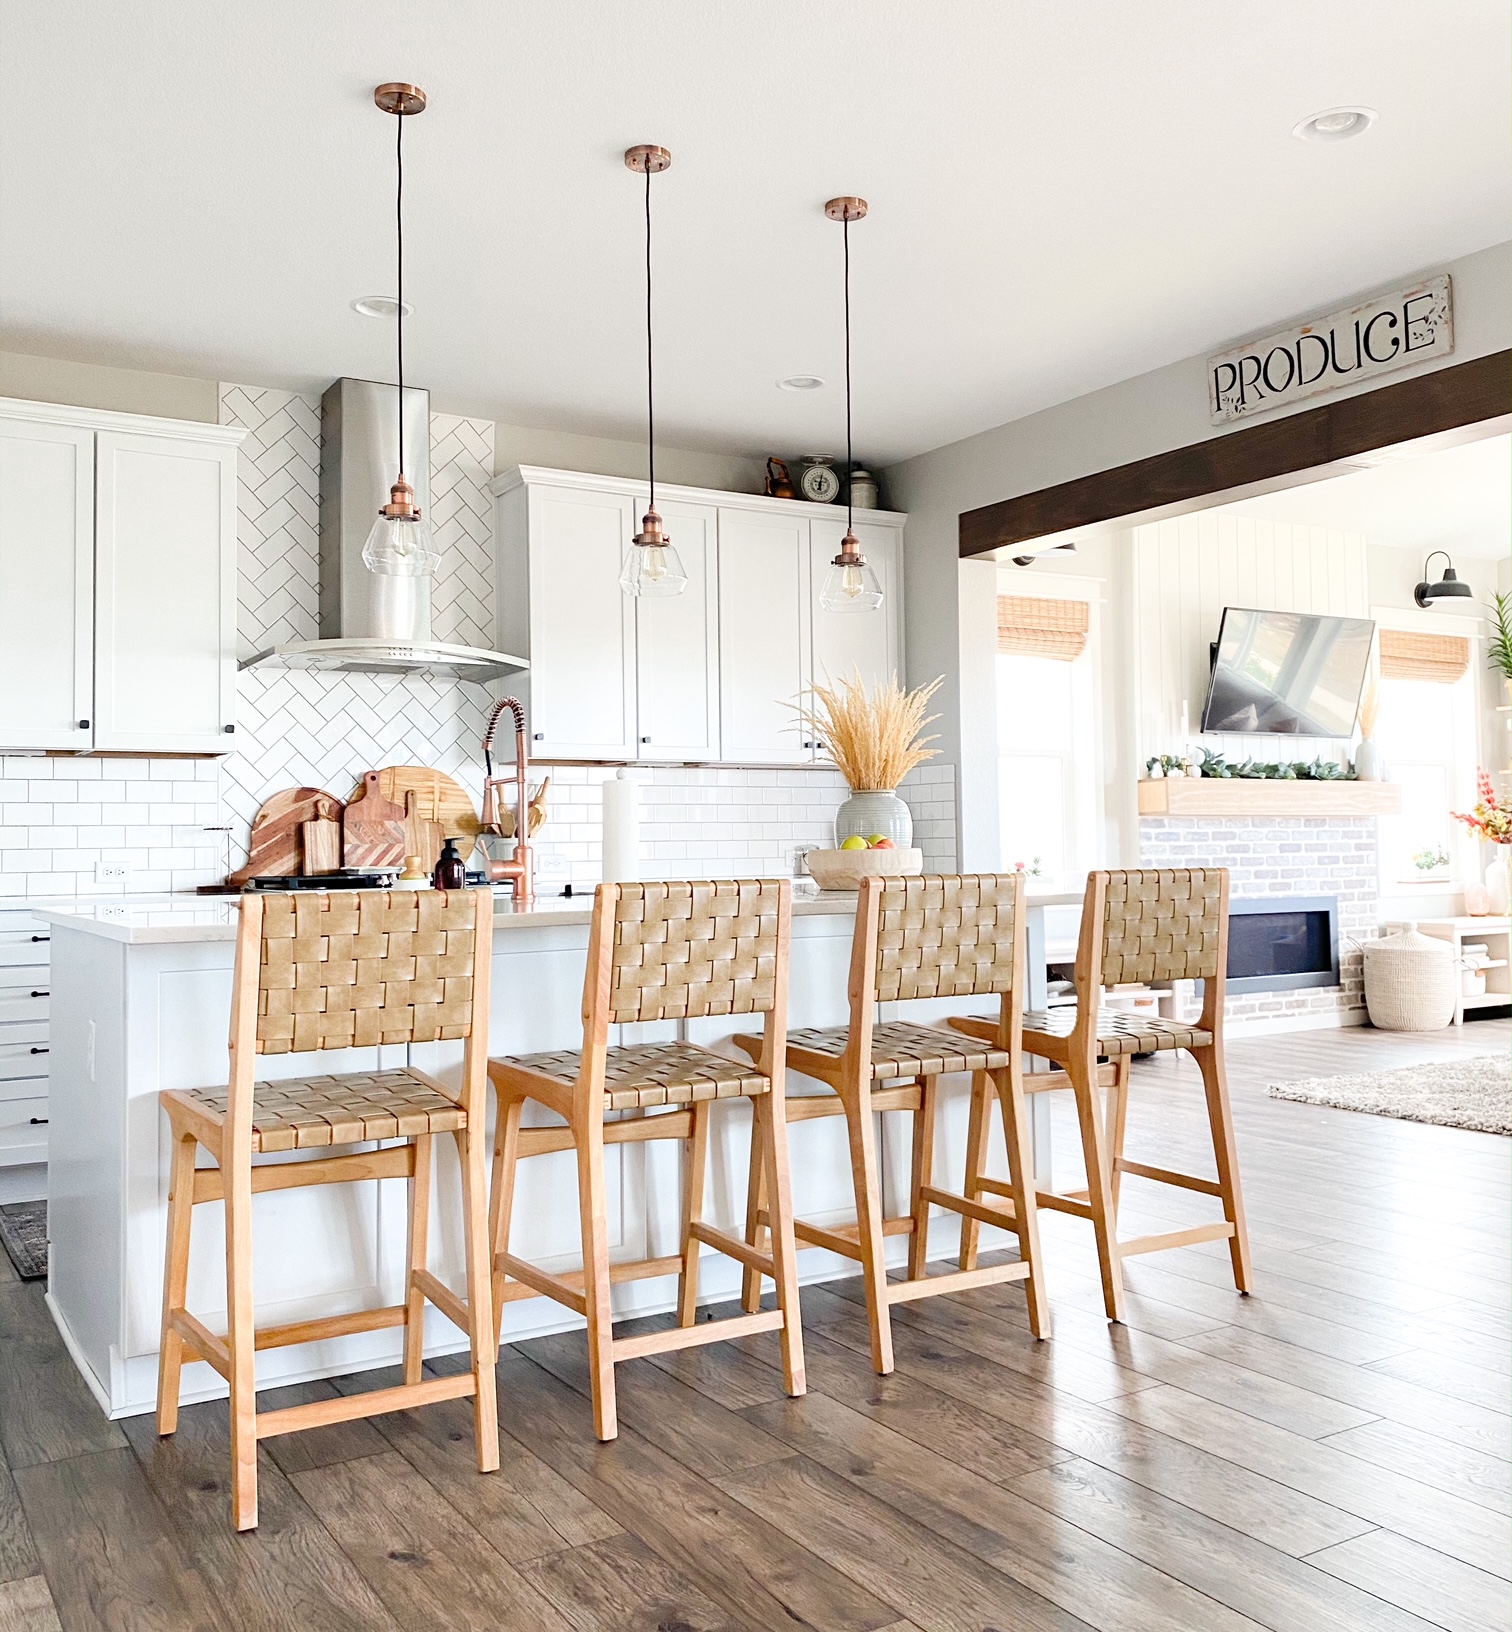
[(1497, 883), (864, 815), (1367, 761)]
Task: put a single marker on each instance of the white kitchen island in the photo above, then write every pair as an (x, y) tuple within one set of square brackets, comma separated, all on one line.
[(141, 1002)]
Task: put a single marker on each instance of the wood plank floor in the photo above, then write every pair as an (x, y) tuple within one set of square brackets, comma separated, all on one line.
[(1330, 1455)]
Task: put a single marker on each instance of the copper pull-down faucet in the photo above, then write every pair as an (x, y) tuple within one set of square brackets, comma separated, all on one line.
[(519, 870)]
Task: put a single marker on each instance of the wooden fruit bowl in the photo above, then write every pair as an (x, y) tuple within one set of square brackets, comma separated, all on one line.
[(844, 869)]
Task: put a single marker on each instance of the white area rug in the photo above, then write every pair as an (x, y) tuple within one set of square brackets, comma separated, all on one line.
[(1471, 1093)]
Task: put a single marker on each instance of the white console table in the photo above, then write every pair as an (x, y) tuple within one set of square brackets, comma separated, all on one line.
[(1495, 933)]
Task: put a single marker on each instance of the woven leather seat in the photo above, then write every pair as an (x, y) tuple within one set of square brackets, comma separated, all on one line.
[(301, 1113), (1119, 1033), (644, 1075), (900, 1049)]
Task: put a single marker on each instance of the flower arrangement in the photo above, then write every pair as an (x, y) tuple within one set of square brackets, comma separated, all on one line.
[(1491, 819), (873, 738)]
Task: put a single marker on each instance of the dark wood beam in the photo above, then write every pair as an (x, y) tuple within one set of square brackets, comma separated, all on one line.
[(1443, 400)]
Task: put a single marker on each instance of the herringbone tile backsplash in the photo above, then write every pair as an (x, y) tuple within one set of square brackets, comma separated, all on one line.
[(60, 818)]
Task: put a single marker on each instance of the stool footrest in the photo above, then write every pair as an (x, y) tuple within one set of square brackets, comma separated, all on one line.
[(374, 1403), (732, 1246), (1174, 1238), (959, 1280), (1165, 1175), (843, 1238), (639, 1269), (1058, 1203), (202, 1341), (1002, 1218), (688, 1337), (543, 1285), (447, 1301)]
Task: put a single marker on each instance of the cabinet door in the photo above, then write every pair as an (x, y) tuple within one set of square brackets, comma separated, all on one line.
[(847, 641), (582, 626), (165, 594), (677, 646), (46, 582), (763, 635)]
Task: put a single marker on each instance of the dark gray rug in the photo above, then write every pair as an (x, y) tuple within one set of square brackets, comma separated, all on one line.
[(23, 1234)]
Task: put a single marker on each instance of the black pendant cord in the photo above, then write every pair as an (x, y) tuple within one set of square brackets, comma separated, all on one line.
[(650, 393), (845, 227), (399, 278)]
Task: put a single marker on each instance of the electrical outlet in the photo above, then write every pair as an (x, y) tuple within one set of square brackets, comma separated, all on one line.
[(553, 867), (796, 857), (112, 872)]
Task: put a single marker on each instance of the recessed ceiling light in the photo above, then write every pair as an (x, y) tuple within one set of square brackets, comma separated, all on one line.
[(1335, 124), (380, 306), (800, 382)]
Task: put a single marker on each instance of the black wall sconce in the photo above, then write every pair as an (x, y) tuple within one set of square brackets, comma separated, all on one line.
[(1448, 588)]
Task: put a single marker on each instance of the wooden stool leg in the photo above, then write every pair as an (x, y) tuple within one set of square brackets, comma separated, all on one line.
[(695, 1169), (923, 1174), (480, 1316), (1016, 1135), (175, 1279), (1115, 1116), (769, 1149), (1083, 1074), (1226, 1155), (506, 1165), (977, 1128), (867, 1181), (241, 1341), (756, 1201), (419, 1241), (593, 1205)]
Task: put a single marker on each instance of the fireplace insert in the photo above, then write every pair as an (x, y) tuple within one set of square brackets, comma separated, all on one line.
[(1281, 942)]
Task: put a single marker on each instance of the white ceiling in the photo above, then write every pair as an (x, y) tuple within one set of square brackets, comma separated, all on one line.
[(1457, 499), (1063, 195)]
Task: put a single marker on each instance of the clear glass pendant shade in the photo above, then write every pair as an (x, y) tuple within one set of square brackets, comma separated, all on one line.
[(402, 547), (653, 570), (851, 586)]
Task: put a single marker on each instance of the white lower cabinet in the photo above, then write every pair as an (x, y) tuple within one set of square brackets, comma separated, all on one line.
[(708, 675), (117, 582), (25, 999)]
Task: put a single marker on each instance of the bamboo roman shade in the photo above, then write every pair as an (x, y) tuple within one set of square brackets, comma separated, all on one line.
[(1033, 626), (1413, 656)]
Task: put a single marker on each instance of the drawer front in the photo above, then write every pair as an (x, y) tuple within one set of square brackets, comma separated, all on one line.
[(19, 1004), (23, 1050), (23, 945), (23, 1131), (24, 979)]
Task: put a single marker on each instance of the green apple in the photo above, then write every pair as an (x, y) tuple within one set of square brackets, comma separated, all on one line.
[(854, 842)]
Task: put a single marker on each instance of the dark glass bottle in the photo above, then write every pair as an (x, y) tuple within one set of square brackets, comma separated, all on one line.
[(451, 871)]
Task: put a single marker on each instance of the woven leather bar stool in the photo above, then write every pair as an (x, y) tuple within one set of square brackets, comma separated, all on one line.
[(923, 937), (667, 951), (337, 970), (1137, 926)]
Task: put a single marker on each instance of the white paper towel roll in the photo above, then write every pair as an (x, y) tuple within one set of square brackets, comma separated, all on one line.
[(621, 830)]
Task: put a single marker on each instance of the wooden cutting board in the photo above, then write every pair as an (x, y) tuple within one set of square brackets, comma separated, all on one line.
[(276, 849), (372, 829), (438, 798), (321, 842)]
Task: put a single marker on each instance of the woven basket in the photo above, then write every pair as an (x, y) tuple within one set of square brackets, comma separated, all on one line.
[(1410, 982)]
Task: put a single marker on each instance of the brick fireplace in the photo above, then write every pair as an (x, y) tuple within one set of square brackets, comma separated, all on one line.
[(1270, 857)]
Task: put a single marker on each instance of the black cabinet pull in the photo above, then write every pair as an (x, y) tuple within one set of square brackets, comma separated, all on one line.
[(538, 736), (36, 938), (39, 1121), (41, 1051), (83, 725), (228, 729), (41, 994), (645, 739)]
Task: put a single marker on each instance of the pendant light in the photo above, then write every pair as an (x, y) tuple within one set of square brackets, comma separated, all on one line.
[(851, 584), (400, 544), (653, 567)]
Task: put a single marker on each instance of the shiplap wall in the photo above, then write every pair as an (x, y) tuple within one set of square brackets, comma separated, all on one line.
[(1185, 572)]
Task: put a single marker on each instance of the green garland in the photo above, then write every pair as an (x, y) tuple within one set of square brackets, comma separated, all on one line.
[(1216, 765)]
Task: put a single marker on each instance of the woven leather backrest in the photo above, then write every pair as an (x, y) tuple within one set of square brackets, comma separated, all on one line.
[(945, 935), (688, 949), (350, 969), (1161, 924)]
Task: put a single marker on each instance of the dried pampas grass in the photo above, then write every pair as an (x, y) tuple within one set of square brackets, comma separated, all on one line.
[(872, 738), (1370, 709)]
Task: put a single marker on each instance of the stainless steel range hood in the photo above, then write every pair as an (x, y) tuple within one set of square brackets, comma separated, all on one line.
[(370, 622)]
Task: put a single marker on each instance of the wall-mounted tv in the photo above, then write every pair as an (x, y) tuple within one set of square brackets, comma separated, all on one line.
[(1287, 673)]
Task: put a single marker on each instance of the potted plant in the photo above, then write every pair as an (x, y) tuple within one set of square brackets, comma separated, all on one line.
[(1499, 647), (1492, 821), (874, 739)]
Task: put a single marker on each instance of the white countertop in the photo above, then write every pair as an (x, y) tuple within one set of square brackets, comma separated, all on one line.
[(169, 918)]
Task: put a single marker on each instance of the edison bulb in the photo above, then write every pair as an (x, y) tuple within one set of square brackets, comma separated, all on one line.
[(653, 570), (851, 587)]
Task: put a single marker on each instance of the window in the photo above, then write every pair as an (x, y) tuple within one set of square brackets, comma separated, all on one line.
[(1426, 734), (1048, 759)]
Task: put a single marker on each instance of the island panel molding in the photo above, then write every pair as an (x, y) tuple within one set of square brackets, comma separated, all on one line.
[(1445, 400), (1265, 796)]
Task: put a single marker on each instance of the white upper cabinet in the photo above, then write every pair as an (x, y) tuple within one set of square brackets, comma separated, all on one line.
[(763, 635), (581, 634), (708, 675), (845, 642), (46, 571), (677, 645), (165, 595), (117, 582)]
